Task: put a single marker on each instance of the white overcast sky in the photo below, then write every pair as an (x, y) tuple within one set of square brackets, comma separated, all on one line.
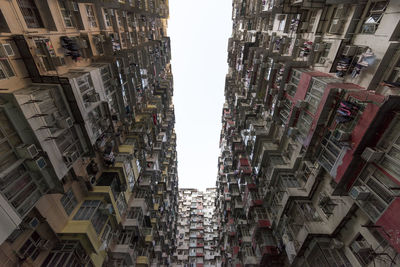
[(199, 32)]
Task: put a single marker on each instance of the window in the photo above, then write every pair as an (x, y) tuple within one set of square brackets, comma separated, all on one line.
[(31, 13), (321, 56), (3, 23), (285, 110), (288, 180), (46, 53), (89, 210), (314, 95), (308, 210), (374, 16), (338, 19), (326, 204), (16, 185), (390, 143), (67, 253), (6, 70), (362, 250), (91, 16), (65, 13), (282, 23), (125, 237), (68, 201), (331, 150), (323, 255), (276, 160), (107, 17), (394, 76), (380, 193), (31, 249), (293, 82), (304, 124), (311, 21)]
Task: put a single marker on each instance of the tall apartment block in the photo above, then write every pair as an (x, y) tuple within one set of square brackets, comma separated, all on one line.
[(88, 163), (309, 169), (197, 236)]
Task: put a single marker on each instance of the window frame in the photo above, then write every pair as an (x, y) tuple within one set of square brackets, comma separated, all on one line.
[(91, 16), (69, 201)]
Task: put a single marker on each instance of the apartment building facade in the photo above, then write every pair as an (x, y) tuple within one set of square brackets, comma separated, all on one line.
[(308, 173), (88, 160), (197, 229)]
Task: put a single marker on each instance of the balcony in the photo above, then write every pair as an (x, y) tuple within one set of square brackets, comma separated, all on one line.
[(85, 230), (143, 258), (109, 185), (148, 234), (133, 218), (124, 251), (261, 218)]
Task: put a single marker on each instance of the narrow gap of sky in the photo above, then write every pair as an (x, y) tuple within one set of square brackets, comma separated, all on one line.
[(199, 32)]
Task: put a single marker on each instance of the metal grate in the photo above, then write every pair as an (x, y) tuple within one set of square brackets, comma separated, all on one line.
[(31, 13)]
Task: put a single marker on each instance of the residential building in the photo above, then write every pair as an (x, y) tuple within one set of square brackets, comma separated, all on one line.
[(88, 163), (197, 229), (308, 174)]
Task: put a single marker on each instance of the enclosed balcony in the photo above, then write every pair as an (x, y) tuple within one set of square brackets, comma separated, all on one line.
[(134, 218), (260, 217), (109, 184), (124, 248), (143, 257)]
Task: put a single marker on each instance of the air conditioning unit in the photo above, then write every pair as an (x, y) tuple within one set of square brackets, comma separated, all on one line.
[(36, 164), (359, 192), (340, 135), (360, 246), (319, 47), (71, 157), (371, 155), (292, 131), (27, 151), (301, 104), (65, 123), (349, 50)]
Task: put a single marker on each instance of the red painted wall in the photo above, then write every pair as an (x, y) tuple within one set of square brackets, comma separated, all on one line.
[(390, 222)]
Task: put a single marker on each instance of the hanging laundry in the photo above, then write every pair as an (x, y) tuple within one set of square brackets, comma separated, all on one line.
[(344, 112), (349, 105), (366, 59)]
